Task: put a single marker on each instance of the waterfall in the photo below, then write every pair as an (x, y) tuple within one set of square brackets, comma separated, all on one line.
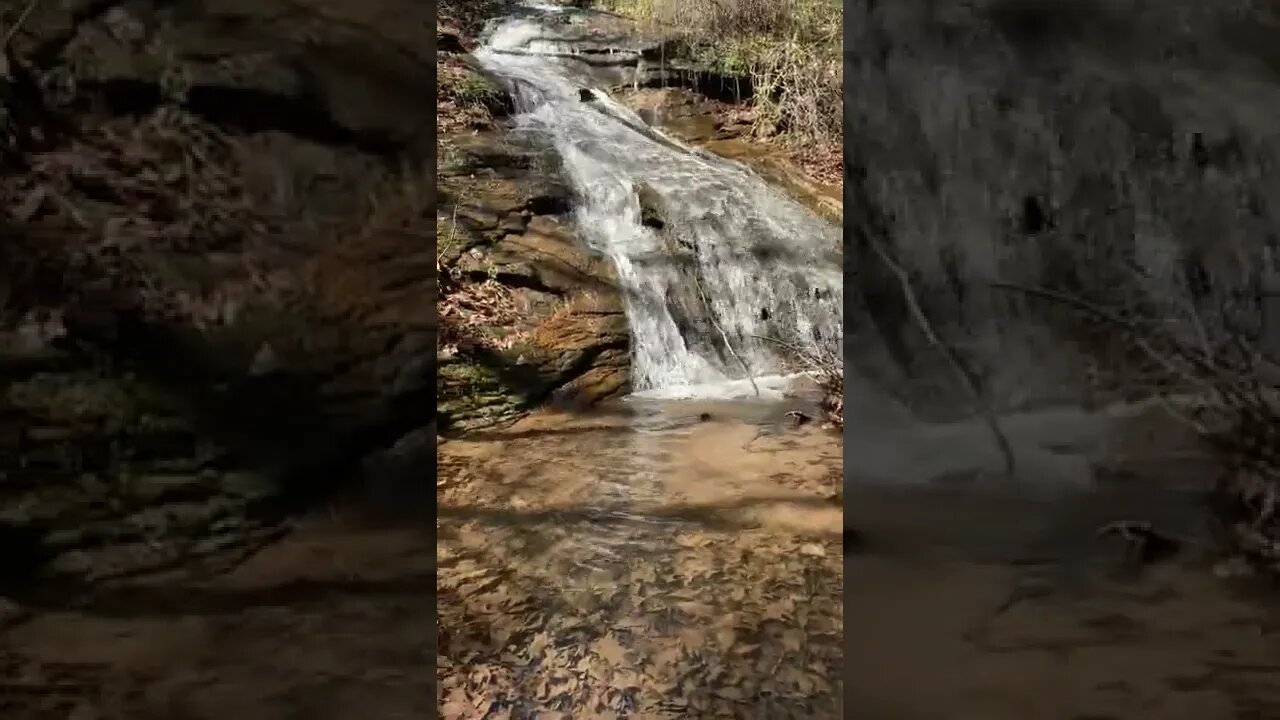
[(733, 263)]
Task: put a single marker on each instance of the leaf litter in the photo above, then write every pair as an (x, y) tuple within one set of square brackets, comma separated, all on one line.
[(545, 618)]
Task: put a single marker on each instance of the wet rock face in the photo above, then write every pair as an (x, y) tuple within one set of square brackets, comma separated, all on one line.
[(215, 321), (509, 230), (1050, 143)]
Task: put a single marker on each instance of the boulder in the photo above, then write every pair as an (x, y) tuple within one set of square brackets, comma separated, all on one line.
[(507, 225)]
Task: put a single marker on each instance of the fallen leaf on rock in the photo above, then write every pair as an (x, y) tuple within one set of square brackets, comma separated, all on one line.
[(693, 639)]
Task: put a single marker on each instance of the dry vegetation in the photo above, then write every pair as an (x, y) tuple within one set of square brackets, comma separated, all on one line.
[(163, 185), (1208, 362), (467, 307), (465, 99), (791, 49)]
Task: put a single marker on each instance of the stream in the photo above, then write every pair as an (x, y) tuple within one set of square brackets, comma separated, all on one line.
[(676, 553), (655, 558)]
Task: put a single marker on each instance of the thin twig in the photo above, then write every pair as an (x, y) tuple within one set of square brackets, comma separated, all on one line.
[(17, 24), (711, 315), (1104, 314), (965, 374)]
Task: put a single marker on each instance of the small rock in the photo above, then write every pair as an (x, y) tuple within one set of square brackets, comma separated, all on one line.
[(65, 539), (586, 95), (265, 361), (50, 434), (123, 26), (813, 550), (159, 487), (75, 562), (513, 223), (480, 218), (651, 207)]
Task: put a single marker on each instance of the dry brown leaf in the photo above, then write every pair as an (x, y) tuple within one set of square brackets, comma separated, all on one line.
[(610, 650), (457, 705), (692, 540), (698, 609), (538, 644), (792, 639), (665, 658), (693, 639), (726, 636)]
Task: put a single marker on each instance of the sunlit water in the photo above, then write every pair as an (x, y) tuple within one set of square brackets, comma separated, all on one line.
[(652, 559), (737, 265)]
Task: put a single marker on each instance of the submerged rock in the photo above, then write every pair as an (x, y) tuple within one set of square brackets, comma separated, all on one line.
[(651, 207)]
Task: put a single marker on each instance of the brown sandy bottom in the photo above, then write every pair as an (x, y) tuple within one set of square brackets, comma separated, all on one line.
[(943, 630), (641, 564)]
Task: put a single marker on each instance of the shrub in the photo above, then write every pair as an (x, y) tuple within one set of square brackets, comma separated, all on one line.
[(791, 49)]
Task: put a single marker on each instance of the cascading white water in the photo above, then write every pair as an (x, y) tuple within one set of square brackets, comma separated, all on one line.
[(736, 261)]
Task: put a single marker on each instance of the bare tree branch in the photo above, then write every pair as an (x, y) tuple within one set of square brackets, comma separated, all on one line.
[(967, 377)]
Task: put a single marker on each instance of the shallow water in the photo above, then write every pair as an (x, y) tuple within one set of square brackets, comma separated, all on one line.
[(676, 558), (973, 596)]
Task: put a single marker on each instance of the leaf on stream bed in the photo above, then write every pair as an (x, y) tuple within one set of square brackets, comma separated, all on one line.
[(610, 650)]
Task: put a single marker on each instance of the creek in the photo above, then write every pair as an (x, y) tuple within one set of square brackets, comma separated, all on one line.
[(675, 553)]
